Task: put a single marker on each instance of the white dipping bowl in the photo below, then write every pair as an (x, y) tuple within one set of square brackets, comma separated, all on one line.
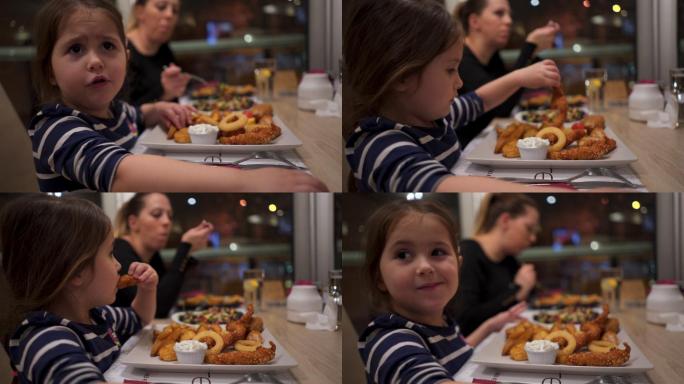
[(542, 357), (533, 153), (203, 133), (190, 351)]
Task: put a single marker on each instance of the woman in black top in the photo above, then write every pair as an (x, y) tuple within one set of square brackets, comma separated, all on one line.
[(487, 24), (152, 23), (143, 226), (491, 279)]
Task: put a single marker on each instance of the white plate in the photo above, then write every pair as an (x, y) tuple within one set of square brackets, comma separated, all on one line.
[(519, 117), (156, 139), (139, 357), (489, 355), (483, 153)]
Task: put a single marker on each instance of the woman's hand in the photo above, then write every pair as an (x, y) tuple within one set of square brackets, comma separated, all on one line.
[(539, 75), (146, 275), (198, 236), (168, 114), (526, 278), (543, 37), (174, 82), (497, 322)]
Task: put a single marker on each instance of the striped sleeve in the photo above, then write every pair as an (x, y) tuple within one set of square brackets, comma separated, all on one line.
[(55, 355), (466, 109), (391, 161), (69, 147), (401, 356), (126, 322)]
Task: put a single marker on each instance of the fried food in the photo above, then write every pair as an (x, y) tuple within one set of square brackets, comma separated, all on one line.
[(601, 346), (518, 352), (594, 121), (571, 343), (218, 340), (126, 281), (511, 150), (260, 356), (511, 133), (262, 135), (561, 140), (612, 325), (614, 358), (255, 336), (559, 105), (261, 110), (182, 136), (232, 122), (246, 345), (587, 152), (167, 353), (188, 334), (256, 324)]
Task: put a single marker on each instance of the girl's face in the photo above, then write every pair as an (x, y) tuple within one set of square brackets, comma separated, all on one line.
[(494, 23), (157, 19), (419, 268), (428, 96), (520, 232), (101, 281), (88, 61), (153, 224)]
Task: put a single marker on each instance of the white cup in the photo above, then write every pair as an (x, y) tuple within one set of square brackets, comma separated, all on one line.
[(302, 301), (314, 86), (645, 98)]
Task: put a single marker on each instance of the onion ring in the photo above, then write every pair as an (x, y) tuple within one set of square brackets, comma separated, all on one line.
[(567, 336), (218, 340), (247, 345), (562, 139), (601, 346), (232, 122)]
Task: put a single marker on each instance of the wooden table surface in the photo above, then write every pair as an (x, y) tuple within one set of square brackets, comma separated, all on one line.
[(664, 349), (660, 151), (321, 137), (318, 353)]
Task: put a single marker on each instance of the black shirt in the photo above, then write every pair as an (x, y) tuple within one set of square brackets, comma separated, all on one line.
[(475, 74), (144, 74), (485, 288), (170, 281)]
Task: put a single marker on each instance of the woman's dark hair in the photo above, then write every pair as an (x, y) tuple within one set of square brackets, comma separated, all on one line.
[(496, 204), (467, 8), (386, 41), (48, 23), (46, 241), (379, 227), (132, 207)]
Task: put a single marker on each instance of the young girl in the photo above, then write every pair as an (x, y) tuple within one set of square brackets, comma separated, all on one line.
[(82, 136), (412, 265), (402, 60), (57, 258)]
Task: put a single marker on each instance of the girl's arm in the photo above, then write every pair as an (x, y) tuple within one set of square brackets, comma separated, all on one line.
[(542, 74), (487, 184), (495, 323), (155, 173)]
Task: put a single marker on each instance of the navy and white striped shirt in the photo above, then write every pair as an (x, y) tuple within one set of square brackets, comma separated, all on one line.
[(49, 349), (386, 156), (397, 350), (73, 150)]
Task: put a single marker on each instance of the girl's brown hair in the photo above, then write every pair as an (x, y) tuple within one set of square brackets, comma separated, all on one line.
[(496, 204), (379, 227), (48, 23), (132, 207), (467, 8), (386, 41), (46, 241)]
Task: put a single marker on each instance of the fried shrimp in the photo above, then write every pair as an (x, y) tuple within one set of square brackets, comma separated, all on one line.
[(260, 356), (614, 358)]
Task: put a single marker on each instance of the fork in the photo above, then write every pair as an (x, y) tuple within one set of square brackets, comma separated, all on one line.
[(257, 378), (610, 380), (600, 171), (194, 77), (273, 156)]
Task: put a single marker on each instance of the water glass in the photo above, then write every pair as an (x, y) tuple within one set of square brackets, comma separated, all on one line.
[(264, 73), (677, 95), (675, 79), (611, 280), (335, 293), (595, 85), (252, 284)]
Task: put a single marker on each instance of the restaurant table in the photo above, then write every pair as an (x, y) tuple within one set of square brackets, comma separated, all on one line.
[(318, 353)]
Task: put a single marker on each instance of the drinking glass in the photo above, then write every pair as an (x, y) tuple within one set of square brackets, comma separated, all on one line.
[(611, 279), (595, 83), (252, 284), (335, 293), (677, 95), (675, 79), (264, 73)]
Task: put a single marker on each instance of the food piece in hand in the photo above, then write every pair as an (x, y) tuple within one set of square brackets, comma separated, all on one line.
[(126, 281), (561, 139), (614, 358)]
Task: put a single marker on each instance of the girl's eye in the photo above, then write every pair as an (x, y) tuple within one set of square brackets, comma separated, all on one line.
[(439, 252), (403, 255), (76, 48), (108, 45)]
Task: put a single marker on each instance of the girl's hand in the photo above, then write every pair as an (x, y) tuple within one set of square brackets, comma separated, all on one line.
[(174, 82), (146, 275), (542, 74), (198, 236), (543, 37), (173, 114), (282, 180), (502, 318)]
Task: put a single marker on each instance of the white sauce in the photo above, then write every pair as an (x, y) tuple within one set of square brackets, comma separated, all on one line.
[(190, 346), (533, 142), (202, 129), (540, 346)]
